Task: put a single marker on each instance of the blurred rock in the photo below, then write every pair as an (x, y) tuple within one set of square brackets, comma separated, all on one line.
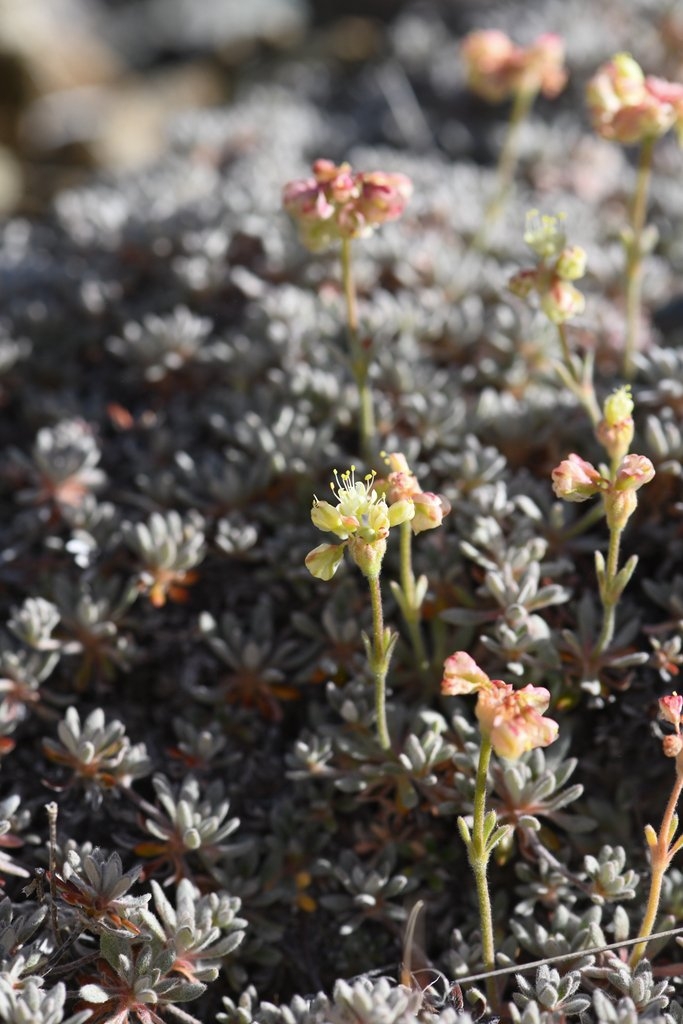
[(124, 125)]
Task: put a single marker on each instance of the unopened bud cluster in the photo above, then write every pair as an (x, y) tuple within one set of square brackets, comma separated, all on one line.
[(498, 69), (512, 719), (671, 710), (558, 265), (627, 106), (615, 429), (575, 479), (339, 203), (402, 485)]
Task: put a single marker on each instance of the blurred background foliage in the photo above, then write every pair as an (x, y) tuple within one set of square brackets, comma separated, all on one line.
[(91, 84)]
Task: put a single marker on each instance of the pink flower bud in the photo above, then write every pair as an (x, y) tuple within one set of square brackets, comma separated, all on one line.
[(543, 66), (634, 471), (561, 301), (462, 675), (491, 703), (496, 68), (513, 719), (326, 171), (396, 461), (399, 486), (615, 429), (401, 482), (665, 92), (486, 55), (627, 107), (430, 510), (337, 203), (672, 745), (616, 439), (383, 196), (342, 190), (670, 709), (648, 119), (304, 200), (576, 480)]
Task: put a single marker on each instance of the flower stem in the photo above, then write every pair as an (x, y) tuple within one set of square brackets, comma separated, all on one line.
[(360, 362), (507, 164), (660, 855), (582, 388), (584, 522), (380, 662), (479, 859), (412, 610), (634, 254)]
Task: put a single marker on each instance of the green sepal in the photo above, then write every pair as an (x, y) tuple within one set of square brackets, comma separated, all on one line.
[(622, 578), (501, 833), (600, 573), (464, 831), (490, 822)]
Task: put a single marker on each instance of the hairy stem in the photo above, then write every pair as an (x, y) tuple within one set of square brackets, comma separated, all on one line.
[(479, 859), (660, 856), (634, 255), (380, 663)]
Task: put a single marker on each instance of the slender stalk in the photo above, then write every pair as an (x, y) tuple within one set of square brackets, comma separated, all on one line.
[(360, 362), (507, 164), (478, 859), (566, 353), (380, 663), (583, 389), (661, 856), (584, 522), (412, 611), (634, 254)]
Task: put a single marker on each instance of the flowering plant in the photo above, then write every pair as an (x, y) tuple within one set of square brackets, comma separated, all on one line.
[(576, 480), (511, 723), (630, 107), (339, 204), (362, 520)]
